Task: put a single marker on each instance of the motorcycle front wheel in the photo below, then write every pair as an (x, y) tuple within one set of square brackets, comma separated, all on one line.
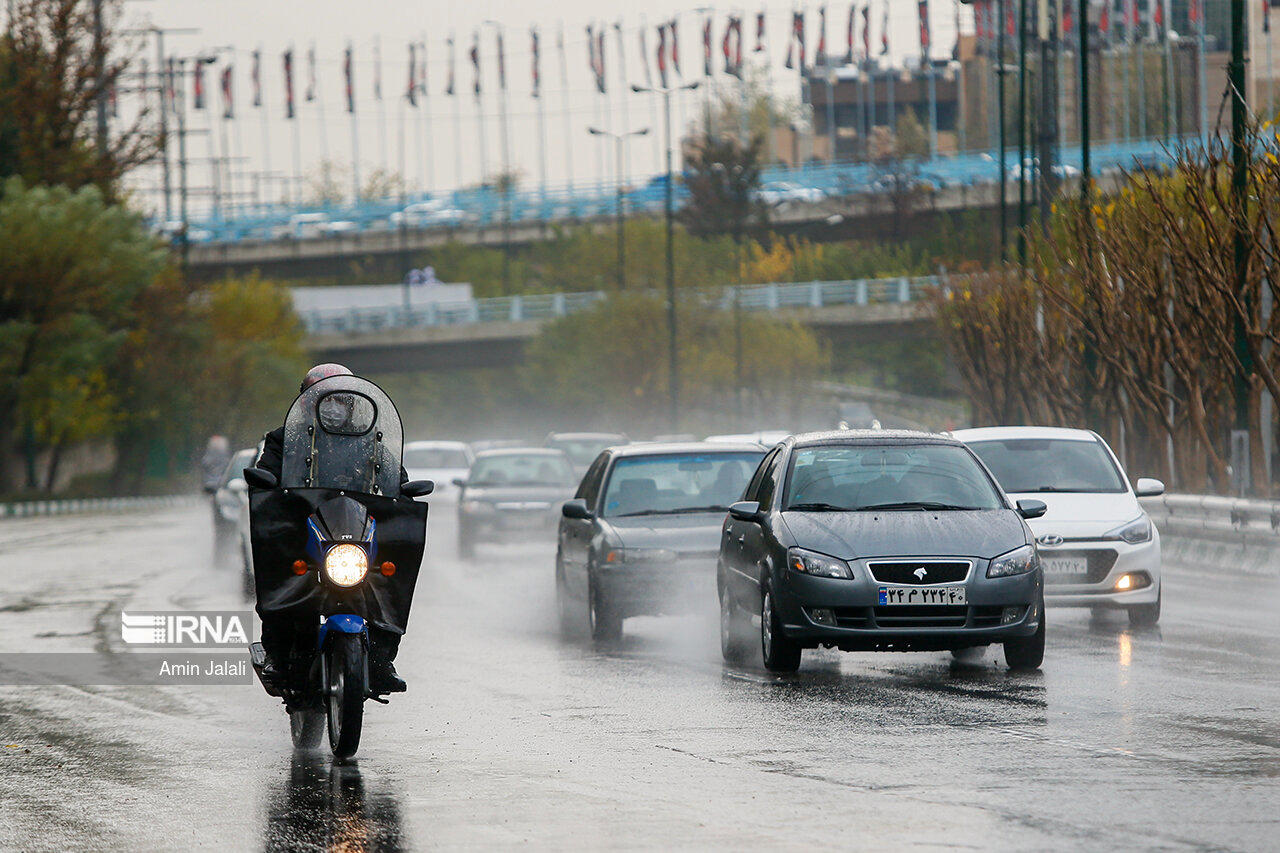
[(345, 689)]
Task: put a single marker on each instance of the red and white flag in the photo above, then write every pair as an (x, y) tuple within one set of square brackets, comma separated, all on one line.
[(884, 30), (706, 47), (644, 55), (346, 73), (866, 31), (535, 61), (197, 84), (377, 69), (925, 36), (662, 55), (450, 81), (759, 32), (848, 53), (821, 57), (674, 33), (311, 72), (411, 87), (475, 62), (502, 64), (255, 72)]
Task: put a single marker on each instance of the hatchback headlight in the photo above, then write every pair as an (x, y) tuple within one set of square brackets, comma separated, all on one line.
[(640, 555), (818, 565), (346, 565), (1135, 532), (1019, 561)]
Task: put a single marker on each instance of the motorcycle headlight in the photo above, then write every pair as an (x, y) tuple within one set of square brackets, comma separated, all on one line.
[(1019, 561), (818, 565), (346, 565), (1135, 532)]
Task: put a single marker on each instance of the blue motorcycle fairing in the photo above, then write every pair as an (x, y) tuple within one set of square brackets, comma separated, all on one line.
[(345, 623)]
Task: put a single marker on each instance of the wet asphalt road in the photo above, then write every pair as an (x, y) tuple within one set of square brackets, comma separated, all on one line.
[(510, 735)]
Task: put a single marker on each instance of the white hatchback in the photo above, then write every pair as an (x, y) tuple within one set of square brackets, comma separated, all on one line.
[(1098, 546)]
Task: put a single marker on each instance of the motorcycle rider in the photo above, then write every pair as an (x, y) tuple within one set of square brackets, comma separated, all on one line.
[(279, 632)]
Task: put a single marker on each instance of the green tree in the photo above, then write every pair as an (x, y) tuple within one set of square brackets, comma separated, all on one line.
[(910, 137), (723, 179)]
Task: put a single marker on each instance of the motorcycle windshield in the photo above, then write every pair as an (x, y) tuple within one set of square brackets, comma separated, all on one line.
[(343, 433)]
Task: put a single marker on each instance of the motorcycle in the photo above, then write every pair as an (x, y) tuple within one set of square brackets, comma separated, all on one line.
[(339, 539)]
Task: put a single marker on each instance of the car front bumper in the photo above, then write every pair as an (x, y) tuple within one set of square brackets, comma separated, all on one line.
[(688, 585), (1108, 562), (509, 525), (996, 609)]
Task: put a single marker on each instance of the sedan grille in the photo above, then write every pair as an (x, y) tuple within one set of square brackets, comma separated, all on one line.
[(919, 572)]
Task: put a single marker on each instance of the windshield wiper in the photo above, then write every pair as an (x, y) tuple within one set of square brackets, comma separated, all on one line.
[(924, 505), (817, 506)]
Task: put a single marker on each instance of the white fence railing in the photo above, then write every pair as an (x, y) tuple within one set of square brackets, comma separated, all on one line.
[(69, 506)]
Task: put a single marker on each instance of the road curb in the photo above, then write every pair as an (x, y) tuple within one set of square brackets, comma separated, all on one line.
[(71, 506)]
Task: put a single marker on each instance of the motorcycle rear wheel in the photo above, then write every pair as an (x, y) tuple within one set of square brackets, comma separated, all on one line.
[(345, 670)]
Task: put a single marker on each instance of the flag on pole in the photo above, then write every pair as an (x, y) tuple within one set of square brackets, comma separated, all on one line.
[(1068, 16), (288, 83), (535, 59), (1266, 16), (1104, 19), (475, 61), (422, 69), (311, 72), (866, 31), (603, 80), (759, 32), (411, 88), (884, 30), (255, 72), (923, 7), (228, 107), (821, 57), (662, 54), (197, 84), (706, 47), (848, 54), (346, 73), (1193, 11), (449, 81), (377, 69), (675, 48), (795, 46), (502, 64), (1010, 27)]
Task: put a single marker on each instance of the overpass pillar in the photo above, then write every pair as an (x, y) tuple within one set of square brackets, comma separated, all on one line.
[(860, 291), (904, 290)]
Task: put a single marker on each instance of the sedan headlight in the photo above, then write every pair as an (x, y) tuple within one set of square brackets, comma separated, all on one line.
[(475, 507), (346, 565), (818, 565), (1019, 561), (640, 555), (1135, 532)]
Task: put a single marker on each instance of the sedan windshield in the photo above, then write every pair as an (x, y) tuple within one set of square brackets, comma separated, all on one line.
[(678, 482), (522, 469), (1050, 465), (900, 477)]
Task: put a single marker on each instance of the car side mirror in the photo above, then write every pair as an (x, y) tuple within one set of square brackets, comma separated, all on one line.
[(576, 508), (417, 488), (745, 510), (260, 478), (1148, 488), (1032, 509), (459, 481)]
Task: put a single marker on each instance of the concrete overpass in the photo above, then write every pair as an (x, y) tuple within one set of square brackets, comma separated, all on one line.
[(445, 339)]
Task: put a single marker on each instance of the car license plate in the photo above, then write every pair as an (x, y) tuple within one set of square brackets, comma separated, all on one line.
[(1066, 566), (891, 595)]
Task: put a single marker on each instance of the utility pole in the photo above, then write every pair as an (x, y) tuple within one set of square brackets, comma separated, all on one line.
[(1086, 170), (1022, 132), (100, 77), (618, 140), (672, 348)]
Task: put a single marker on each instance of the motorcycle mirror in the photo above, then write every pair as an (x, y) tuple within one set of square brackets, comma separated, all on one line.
[(417, 488), (260, 478)]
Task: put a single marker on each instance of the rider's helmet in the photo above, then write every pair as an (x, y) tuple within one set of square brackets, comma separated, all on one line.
[(322, 371)]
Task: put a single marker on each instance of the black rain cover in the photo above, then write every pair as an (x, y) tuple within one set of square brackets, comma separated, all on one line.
[(279, 537)]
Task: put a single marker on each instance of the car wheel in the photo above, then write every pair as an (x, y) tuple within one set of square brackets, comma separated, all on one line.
[(780, 652), (605, 622), (1026, 653), (1146, 615), (733, 642)]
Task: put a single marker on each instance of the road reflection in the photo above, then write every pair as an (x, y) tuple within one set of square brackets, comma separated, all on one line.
[(324, 805)]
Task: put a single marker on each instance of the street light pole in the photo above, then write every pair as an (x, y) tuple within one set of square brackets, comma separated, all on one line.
[(672, 348), (618, 139)]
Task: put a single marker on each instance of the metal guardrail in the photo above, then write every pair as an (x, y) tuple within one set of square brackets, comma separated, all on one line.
[(32, 509), (1217, 515), (516, 309), (480, 207)]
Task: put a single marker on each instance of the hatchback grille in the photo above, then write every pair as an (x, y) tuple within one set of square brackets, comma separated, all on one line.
[(919, 572)]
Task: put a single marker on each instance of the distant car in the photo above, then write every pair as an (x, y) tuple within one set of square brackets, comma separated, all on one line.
[(640, 535), (878, 541), (764, 437), (426, 213), (512, 494), (496, 444), (228, 496), (439, 461), (782, 192), (583, 447), (1098, 545)]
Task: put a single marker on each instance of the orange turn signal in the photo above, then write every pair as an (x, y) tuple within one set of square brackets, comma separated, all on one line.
[(388, 569), (299, 567)]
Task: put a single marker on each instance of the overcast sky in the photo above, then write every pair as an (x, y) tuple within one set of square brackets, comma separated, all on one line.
[(439, 144)]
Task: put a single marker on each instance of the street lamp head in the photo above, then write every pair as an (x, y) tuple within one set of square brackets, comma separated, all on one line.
[(644, 131), (595, 131), (691, 86), (635, 87)]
